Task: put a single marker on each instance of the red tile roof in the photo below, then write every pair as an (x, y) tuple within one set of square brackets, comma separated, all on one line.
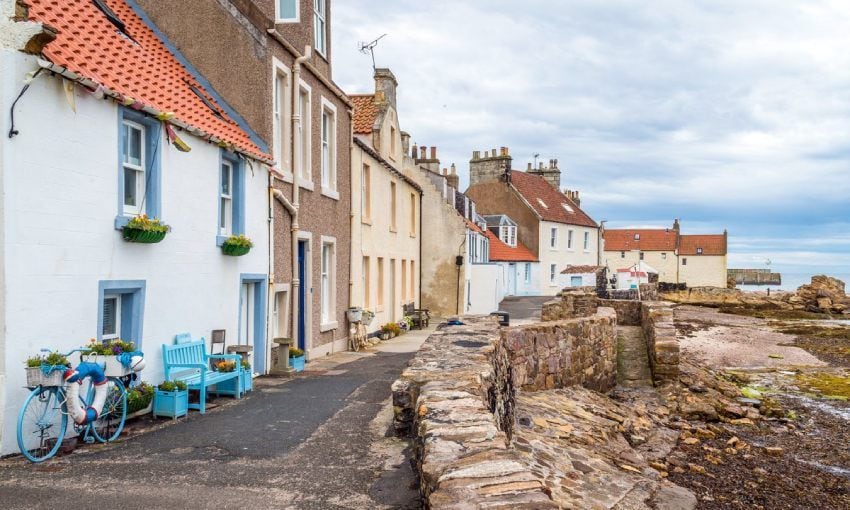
[(535, 189), (365, 113), (139, 67), (650, 240), (501, 252), (711, 244)]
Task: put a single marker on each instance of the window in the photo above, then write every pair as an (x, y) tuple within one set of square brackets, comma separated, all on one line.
[(640, 255), (329, 149), (663, 256), (403, 279), (553, 238), (586, 241), (328, 284), (302, 136), (392, 143), (139, 167), (412, 280), (568, 208), (366, 193), (120, 311), (287, 11), (319, 28), (684, 262), (231, 198), (392, 207), (542, 203), (552, 273), (637, 237), (622, 254), (569, 239), (412, 215), (527, 272), (507, 233), (281, 117), (380, 281), (111, 317), (133, 167), (367, 283), (575, 281), (699, 251)]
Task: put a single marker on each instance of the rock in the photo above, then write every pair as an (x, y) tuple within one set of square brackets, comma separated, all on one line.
[(658, 466), (750, 402), (696, 468), (690, 441), (774, 451), (673, 497), (705, 434), (742, 421), (759, 472), (733, 441)]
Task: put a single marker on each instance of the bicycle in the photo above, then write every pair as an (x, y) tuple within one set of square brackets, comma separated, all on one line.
[(43, 419)]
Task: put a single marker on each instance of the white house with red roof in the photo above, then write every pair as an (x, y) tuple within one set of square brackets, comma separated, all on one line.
[(104, 123), (520, 267)]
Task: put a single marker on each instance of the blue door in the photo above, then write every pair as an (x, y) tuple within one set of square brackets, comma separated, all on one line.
[(302, 293)]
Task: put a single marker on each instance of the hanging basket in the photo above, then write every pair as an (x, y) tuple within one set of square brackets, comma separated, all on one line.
[(234, 250), (137, 235)]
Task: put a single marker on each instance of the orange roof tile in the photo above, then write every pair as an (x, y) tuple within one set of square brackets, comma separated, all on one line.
[(550, 203), (138, 65), (650, 239), (711, 244), (501, 252), (365, 113)]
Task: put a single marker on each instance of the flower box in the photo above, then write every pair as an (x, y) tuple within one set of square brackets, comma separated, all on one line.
[(138, 235), (36, 377), (110, 364), (173, 404), (234, 250), (297, 364), (354, 314)]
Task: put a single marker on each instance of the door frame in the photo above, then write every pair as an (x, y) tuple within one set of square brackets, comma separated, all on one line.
[(259, 341), (305, 286)]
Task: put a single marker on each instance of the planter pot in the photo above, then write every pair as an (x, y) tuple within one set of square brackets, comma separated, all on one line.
[(367, 319), (36, 377), (234, 251), (141, 412), (385, 336), (229, 387), (110, 364), (297, 364), (246, 381), (137, 235), (354, 314), (170, 403)]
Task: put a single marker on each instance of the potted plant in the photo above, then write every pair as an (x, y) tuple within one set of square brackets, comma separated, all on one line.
[(390, 330), (171, 399), (46, 370), (236, 245), (368, 316), (231, 386), (141, 229), (355, 314), (109, 355), (246, 378), (140, 400), (296, 359)]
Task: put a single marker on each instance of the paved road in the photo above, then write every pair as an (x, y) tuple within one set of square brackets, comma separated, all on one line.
[(524, 308), (318, 441)]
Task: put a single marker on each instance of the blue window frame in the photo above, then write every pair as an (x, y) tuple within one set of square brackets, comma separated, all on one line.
[(120, 311), (139, 166), (231, 197)]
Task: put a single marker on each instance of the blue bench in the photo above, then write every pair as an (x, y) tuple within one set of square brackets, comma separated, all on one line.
[(189, 362)]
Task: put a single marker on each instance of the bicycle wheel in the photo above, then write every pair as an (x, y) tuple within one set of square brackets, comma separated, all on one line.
[(42, 423), (108, 426)]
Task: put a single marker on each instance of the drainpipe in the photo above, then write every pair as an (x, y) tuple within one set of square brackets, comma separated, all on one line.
[(421, 241), (296, 177)]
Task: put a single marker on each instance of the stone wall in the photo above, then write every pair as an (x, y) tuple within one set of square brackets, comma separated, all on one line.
[(628, 311), (570, 303), (661, 343), (648, 292), (559, 354)]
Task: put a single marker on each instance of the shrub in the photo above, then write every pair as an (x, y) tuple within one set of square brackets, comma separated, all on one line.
[(392, 328)]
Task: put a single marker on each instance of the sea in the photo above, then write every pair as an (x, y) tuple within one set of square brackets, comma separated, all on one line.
[(793, 279)]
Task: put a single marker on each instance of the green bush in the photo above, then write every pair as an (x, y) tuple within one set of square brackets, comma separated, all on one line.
[(52, 359), (239, 240), (139, 397), (172, 386)]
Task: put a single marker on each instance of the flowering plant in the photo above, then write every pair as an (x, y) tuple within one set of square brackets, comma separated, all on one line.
[(225, 366), (239, 240), (110, 347), (172, 386), (142, 222), (53, 359)]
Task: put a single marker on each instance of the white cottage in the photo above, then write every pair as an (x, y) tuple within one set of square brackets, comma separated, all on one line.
[(110, 122)]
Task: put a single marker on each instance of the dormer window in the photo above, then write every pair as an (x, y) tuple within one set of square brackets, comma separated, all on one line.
[(637, 237), (699, 251), (508, 235)]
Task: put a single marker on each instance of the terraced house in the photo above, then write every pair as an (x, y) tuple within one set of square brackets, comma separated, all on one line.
[(278, 76), (112, 128)]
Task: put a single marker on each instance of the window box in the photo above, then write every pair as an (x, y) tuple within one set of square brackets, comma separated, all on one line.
[(112, 367), (172, 404), (137, 235), (236, 246)]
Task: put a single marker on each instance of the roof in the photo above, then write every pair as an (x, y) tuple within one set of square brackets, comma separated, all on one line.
[(650, 239), (582, 269), (711, 244), (473, 226), (365, 113), (501, 252), (549, 203), (135, 67), (386, 164)]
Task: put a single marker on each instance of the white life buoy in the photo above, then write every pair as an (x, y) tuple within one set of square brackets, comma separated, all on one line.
[(73, 379)]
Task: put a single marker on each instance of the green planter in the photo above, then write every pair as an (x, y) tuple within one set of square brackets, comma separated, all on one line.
[(137, 235), (234, 250)]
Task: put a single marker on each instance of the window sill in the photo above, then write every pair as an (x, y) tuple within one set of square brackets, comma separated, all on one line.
[(413, 236), (121, 221), (328, 326), (394, 231), (330, 193), (308, 185), (219, 240), (366, 221), (286, 21), (286, 176)]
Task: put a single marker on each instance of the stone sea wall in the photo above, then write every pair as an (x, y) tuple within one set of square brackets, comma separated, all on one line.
[(661, 343), (628, 311), (570, 303)]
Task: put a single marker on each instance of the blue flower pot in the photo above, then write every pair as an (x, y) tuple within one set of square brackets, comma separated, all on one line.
[(229, 387), (297, 363), (246, 381), (172, 404)]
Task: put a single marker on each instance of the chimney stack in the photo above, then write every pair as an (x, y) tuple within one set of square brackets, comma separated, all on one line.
[(433, 152), (489, 168), (423, 152), (386, 85), (551, 173), (453, 179)]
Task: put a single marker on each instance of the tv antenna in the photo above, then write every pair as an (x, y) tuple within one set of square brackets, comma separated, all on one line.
[(536, 155), (369, 48)]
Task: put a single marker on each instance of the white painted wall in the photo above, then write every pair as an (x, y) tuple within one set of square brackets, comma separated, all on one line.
[(60, 181), (587, 280), (484, 283), (563, 255), (523, 287)]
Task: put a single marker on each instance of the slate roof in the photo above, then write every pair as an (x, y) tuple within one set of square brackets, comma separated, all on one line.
[(548, 201), (501, 252), (650, 239), (135, 65), (711, 244), (365, 113)]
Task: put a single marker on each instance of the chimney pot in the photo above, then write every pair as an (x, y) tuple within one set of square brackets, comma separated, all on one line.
[(529, 167), (423, 151), (556, 163), (454, 170), (476, 154), (433, 152), (493, 153), (445, 171)]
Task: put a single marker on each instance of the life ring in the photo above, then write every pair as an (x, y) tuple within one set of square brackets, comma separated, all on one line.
[(73, 380)]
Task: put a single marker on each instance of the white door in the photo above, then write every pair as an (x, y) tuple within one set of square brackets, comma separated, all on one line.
[(246, 314), (392, 290), (512, 279)]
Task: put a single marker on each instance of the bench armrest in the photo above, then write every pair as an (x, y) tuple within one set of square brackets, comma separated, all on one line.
[(201, 366), (234, 357)]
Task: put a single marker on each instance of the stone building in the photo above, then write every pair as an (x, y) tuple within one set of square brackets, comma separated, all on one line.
[(548, 221), (386, 208), (279, 78), (696, 260)]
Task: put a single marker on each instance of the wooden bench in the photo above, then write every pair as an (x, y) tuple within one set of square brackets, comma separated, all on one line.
[(421, 317), (190, 363)]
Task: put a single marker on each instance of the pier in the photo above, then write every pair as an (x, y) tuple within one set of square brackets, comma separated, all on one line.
[(754, 277)]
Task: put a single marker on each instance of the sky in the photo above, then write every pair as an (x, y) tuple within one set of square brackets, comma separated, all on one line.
[(726, 114)]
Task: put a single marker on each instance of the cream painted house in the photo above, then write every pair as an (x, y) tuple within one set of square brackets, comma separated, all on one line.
[(386, 205), (564, 245)]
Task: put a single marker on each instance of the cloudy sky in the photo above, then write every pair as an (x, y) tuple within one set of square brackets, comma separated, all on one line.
[(724, 113)]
